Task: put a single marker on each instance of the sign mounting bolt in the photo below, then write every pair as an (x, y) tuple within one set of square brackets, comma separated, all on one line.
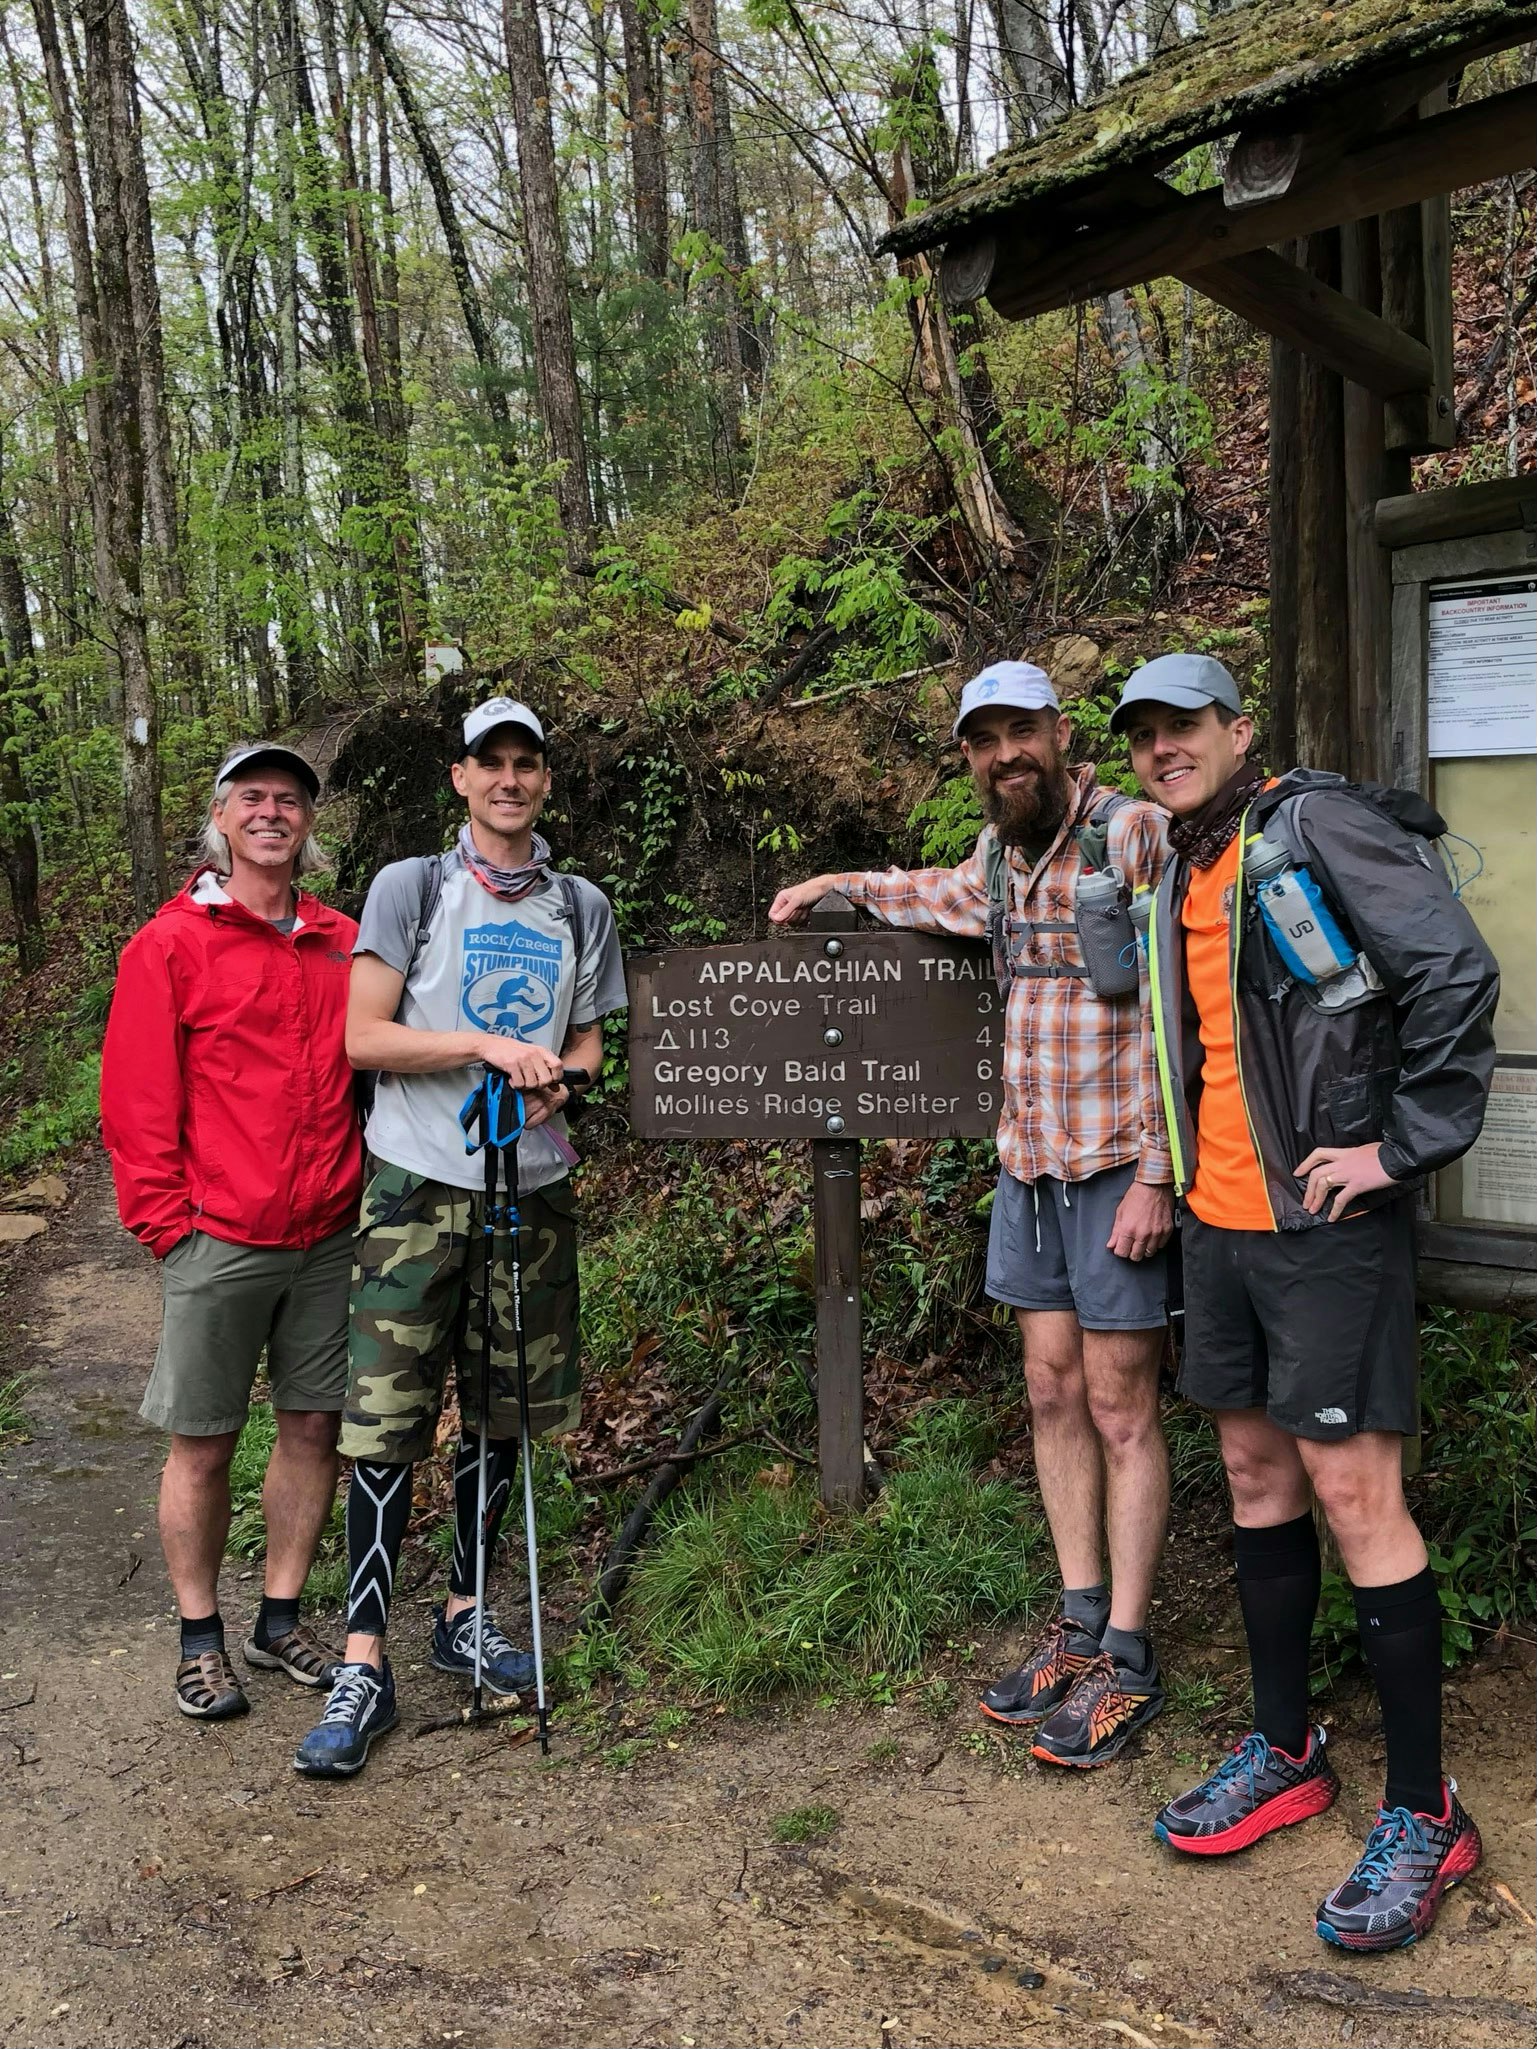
[(835, 1124), (832, 1036), (833, 947)]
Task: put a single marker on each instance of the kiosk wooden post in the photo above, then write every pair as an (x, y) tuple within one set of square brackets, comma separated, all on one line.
[(835, 1227)]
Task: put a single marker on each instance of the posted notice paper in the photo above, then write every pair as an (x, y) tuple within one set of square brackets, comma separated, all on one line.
[(1499, 1174), (1483, 667)]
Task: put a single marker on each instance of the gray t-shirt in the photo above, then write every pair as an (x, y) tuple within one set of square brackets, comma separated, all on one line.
[(489, 966)]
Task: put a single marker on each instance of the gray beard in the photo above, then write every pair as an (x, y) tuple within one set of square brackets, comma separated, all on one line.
[(1035, 814)]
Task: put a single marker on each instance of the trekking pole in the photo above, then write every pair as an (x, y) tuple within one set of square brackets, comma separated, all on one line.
[(525, 1439)]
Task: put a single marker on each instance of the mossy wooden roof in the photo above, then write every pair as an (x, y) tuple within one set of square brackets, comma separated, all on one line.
[(1263, 65)]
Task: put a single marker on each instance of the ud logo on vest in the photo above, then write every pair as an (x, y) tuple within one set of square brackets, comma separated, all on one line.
[(510, 976)]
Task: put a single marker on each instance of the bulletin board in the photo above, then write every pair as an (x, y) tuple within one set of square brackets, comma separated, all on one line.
[(1464, 732)]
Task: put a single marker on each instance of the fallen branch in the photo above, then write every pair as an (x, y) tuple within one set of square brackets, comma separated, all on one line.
[(677, 1456), (466, 1717), (11, 1706), (292, 1885), (1329, 1988), (621, 1558)]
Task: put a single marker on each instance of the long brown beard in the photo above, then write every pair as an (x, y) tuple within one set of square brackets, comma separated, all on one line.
[(1035, 812)]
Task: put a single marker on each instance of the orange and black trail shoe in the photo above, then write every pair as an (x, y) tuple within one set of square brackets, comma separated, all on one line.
[(1104, 1710), (1057, 1660)]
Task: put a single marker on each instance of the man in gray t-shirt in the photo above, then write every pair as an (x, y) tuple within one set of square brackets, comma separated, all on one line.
[(515, 968)]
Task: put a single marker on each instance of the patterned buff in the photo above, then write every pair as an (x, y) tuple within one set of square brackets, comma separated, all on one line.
[(510, 884), (1204, 836)]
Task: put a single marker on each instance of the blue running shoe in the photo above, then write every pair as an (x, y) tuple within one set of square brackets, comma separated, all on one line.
[(1410, 1860), (361, 1707), (505, 1669), (1255, 1790)]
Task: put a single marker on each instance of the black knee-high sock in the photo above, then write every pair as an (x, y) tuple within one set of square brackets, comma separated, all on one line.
[(1278, 1580), (378, 1509), (501, 1471), (1401, 1641)]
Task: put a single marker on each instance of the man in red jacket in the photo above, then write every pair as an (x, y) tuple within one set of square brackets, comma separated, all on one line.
[(228, 1111)]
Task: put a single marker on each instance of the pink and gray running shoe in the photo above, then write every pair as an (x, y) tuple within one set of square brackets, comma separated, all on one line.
[(1255, 1790), (1392, 1896)]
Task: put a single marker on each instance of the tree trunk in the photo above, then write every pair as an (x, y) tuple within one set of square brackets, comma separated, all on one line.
[(104, 305), (475, 321), (716, 285), (648, 170), (1040, 97), (549, 300), (19, 713), (182, 649)]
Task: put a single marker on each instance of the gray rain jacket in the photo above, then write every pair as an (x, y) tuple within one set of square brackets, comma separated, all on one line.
[(1407, 1066)]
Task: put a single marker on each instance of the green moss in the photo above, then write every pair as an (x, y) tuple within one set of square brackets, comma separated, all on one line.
[(1261, 64)]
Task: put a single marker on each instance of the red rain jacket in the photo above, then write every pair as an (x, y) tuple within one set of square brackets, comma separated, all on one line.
[(226, 1096)]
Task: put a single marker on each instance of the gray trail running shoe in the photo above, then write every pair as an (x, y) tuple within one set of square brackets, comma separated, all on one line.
[(504, 1668), (1253, 1791), (361, 1707), (1394, 1893), (207, 1689), (1104, 1710), (1053, 1665), (299, 1653)]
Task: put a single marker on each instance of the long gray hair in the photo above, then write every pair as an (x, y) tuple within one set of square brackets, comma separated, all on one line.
[(312, 855)]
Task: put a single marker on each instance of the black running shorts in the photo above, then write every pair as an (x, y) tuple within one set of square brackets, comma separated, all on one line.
[(1316, 1327)]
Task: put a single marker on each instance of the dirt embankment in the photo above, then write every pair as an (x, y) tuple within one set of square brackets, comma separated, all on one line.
[(165, 1884)]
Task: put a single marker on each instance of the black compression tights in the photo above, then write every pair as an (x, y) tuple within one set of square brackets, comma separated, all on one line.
[(502, 1470), (378, 1509)]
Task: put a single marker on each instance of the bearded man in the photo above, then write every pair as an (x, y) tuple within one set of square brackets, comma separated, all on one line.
[(1083, 1208)]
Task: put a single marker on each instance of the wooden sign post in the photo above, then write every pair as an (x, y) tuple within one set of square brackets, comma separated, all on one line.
[(830, 1033)]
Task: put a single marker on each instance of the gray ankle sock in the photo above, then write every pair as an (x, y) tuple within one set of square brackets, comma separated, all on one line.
[(1132, 1650), (1087, 1608)]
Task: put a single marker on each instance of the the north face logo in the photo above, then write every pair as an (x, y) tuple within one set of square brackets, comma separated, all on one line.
[(1330, 1416), (511, 973)]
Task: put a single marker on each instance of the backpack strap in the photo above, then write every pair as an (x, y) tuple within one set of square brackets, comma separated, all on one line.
[(429, 883), (1092, 834), (576, 915)]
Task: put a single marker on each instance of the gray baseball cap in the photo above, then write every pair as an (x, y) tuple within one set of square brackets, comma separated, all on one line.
[(1020, 685), (252, 751), (498, 711), (1185, 681)]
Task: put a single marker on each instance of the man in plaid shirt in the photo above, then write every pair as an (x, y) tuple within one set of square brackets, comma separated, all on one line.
[(1084, 1206)]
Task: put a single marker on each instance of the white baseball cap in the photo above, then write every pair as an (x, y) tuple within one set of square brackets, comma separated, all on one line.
[(1020, 685), (250, 751), (498, 711)]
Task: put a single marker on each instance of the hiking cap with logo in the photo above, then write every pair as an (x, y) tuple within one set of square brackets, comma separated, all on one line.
[(1020, 685), (248, 752), (498, 711), (1185, 681)]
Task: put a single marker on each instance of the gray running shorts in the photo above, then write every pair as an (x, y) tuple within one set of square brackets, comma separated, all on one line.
[(1317, 1328), (226, 1304), (1048, 1248)]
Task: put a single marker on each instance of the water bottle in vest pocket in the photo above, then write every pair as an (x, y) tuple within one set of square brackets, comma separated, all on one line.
[(1102, 912)]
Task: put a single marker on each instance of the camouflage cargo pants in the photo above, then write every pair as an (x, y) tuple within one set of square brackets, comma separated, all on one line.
[(417, 1302)]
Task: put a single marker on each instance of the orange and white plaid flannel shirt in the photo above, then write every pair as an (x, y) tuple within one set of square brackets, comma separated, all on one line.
[(1080, 1081)]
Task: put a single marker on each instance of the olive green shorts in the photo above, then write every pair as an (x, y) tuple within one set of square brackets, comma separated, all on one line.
[(418, 1300), (224, 1305)]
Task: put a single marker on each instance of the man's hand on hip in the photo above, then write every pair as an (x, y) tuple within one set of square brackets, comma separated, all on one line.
[(1343, 1173), (1144, 1218), (792, 905)]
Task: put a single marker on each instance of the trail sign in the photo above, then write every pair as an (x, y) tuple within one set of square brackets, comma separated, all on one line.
[(830, 1034), (822, 1033)]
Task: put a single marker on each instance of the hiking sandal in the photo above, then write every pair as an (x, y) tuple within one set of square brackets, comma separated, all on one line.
[(207, 1689), (299, 1653)]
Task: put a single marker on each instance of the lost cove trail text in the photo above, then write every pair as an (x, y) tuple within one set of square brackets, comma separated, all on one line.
[(873, 1034)]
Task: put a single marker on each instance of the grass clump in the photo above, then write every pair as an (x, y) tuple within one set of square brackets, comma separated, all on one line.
[(749, 1590), (64, 1113), (14, 1421), (806, 1824)]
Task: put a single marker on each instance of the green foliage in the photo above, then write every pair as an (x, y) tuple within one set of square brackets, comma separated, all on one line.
[(949, 821), (749, 1590), (806, 1824), (14, 1421), (64, 1113)]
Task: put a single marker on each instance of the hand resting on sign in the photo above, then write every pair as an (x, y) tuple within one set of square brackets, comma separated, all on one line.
[(793, 905)]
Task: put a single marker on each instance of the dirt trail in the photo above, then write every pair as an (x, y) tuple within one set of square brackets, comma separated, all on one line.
[(166, 1884)]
